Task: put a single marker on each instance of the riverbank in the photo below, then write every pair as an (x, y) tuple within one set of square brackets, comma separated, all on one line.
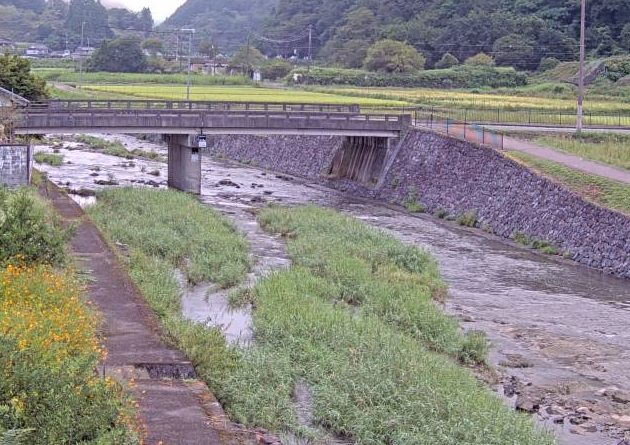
[(533, 308)]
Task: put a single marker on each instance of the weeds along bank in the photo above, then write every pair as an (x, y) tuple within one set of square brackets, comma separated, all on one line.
[(49, 351), (460, 180), (354, 321)]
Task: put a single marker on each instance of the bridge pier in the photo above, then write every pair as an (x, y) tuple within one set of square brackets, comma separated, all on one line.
[(184, 163), (361, 159)]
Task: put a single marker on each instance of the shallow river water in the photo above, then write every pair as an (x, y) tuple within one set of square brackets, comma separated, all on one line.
[(559, 331)]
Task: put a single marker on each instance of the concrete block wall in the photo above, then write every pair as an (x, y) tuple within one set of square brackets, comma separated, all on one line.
[(15, 165), (459, 177)]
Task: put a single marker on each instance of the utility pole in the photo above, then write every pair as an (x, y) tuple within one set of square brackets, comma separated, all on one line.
[(190, 38), (310, 47), (247, 55), (81, 58), (580, 104), (177, 51)]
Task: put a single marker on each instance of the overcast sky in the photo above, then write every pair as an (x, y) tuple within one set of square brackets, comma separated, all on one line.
[(160, 9)]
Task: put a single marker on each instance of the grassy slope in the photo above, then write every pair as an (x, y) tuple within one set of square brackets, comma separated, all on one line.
[(607, 193), (613, 149), (354, 320)]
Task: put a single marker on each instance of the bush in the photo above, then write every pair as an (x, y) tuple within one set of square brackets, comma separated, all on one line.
[(468, 219), (481, 59), (447, 61), (391, 56), (49, 392), (275, 69), (457, 77), (16, 76), (548, 63), (48, 158), (618, 67), (26, 231)]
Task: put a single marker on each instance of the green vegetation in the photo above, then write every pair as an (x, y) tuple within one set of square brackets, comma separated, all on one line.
[(613, 149), (53, 159), (411, 202), (456, 77), (49, 392), (121, 55), (354, 319), (71, 76), (174, 228), (391, 56), (237, 94), (116, 148), (29, 230), (611, 194), (16, 76), (468, 219), (544, 246)]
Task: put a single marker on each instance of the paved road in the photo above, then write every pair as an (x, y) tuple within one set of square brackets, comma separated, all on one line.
[(546, 129), (572, 161)]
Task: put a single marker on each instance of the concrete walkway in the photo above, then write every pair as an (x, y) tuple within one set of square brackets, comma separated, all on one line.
[(172, 410), (569, 160)]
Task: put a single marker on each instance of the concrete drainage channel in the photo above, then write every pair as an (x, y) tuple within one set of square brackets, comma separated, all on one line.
[(533, 308)]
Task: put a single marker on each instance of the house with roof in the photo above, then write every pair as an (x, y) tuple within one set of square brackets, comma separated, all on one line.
[(37, 50)]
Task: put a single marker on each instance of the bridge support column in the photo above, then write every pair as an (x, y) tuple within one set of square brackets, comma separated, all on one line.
[(184, 163)]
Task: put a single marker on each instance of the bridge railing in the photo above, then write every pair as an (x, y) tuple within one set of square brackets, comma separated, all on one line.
[(189, 105)]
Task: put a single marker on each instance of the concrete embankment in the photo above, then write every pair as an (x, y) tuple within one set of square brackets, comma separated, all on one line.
[(455, 177)]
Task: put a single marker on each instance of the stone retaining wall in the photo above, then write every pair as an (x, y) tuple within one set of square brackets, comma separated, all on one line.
[(15, 165), (458, 177)]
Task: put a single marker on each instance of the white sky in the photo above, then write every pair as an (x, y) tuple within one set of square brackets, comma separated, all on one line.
[(161, 9)]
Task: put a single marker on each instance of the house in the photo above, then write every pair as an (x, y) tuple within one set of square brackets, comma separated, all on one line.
[(84, 51), (6, 46), (8, 99), (36, 51)]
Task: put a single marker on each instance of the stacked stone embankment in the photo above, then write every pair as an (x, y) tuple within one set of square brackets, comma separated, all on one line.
[(458, 177)]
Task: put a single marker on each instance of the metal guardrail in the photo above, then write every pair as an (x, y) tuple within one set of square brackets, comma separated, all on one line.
[(42, 120), (190, 105)]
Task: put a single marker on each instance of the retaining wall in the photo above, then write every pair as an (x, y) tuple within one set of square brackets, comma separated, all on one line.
[(15, 165), (459, 177)]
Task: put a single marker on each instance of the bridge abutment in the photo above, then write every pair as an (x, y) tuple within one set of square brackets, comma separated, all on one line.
[(184, 163)]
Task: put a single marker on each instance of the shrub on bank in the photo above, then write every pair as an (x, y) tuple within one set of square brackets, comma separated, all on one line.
[(456, 77), (28, 230), (49, 392)]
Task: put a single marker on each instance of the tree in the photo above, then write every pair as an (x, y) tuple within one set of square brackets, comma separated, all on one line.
[(625, 37), (392, 56), (89, 15), (548, 63), (16, 76), (120, 55), (349, 46), (481, 59), (447, 61), (514, 50), (153, 46), (208, 49), (247, 58), (276, 69)]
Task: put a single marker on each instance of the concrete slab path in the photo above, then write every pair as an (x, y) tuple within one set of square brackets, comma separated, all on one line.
[(171, 412), (569, 160)]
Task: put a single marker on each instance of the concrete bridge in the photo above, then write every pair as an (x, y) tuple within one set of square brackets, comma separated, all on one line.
[(181, 124)]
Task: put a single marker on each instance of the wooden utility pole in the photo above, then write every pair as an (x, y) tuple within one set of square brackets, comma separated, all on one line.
[(580, 104), (310, 47)]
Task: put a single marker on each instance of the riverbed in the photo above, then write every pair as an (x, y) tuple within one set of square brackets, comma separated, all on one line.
[(560, 343)]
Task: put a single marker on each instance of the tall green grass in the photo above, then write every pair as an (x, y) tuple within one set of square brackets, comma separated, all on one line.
[(609, 148), (52, 159), (72, 76), (354, 318), (176, 228)]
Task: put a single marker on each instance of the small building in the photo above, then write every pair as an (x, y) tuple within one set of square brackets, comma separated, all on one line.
[(37, 51), (84, 51), (6, 46)]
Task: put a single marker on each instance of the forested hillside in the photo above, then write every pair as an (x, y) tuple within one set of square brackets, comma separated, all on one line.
[(58, 23), (516, 32), (224, 22)]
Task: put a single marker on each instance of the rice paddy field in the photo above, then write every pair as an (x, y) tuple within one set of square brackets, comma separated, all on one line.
[(237, 94)]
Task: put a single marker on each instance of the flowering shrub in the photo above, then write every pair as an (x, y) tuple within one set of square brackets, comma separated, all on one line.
[(49, 390)]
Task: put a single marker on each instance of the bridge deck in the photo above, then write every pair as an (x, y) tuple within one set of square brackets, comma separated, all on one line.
[(129, 117)]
